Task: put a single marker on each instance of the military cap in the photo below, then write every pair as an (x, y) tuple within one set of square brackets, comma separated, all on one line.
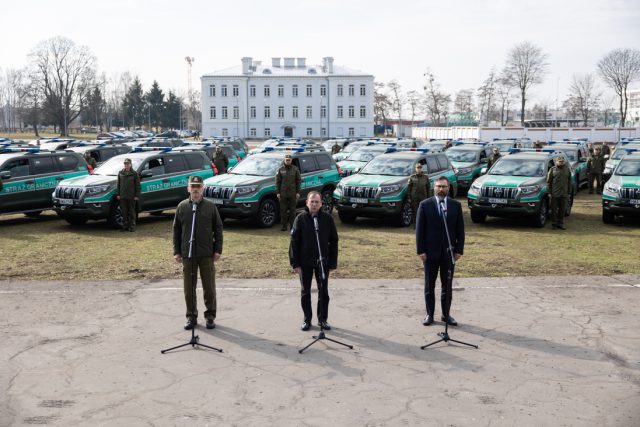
[(195, 180), (127, 160), (287, 156)]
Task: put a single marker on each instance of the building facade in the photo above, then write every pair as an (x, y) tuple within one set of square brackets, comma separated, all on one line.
[(288, 98)]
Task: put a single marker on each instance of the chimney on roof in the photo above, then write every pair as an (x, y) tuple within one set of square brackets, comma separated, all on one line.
[(246, 64), (327, 64), (275, 62), (302, 62), (289, 62)]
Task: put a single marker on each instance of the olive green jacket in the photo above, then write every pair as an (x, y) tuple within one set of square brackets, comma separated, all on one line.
[(596, 164), (128, 184), (222, 162), (207, 232), (419, 187), (559, 181), (288, 180)]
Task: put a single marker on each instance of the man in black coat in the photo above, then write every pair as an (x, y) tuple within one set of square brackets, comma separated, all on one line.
[(304, 257), (433, 246)]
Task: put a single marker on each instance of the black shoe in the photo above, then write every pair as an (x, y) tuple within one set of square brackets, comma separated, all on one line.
[(191, 323), (283, 228), (560, 227), (324, 325), (451, 322), (211, 324), (306, 325), (427, 320), (554, 226)]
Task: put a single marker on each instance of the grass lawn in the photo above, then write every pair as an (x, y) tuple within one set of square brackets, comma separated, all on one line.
[(47, 248)]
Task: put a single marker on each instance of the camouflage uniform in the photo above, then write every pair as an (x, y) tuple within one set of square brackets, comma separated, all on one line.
[(418, 189), (288, 182), (335, 149), (493, 159), (605, 149), (221, 161), (559, 188), (128, 189), (595, 168)]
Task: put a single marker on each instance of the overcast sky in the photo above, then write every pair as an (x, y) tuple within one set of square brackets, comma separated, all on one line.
[(458, 40)]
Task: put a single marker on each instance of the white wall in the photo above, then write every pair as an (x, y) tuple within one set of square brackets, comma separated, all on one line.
[(536, 134)]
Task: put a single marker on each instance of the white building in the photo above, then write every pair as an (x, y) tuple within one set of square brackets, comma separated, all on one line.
[(633, 108), (288, 98)]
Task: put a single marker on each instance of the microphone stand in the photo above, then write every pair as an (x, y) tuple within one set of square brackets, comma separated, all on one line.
[(324, 279), (194, 265), (444, 336)]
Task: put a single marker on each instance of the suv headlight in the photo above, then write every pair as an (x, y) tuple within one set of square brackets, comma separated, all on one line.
[(476, 186), (386, 189), (611, 188), (529, 189), (464, 171), (246, 189), (96, 189)]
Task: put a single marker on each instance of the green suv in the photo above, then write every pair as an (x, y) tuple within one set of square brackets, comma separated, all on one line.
[(359, 158), (379, 190), (578, 155), (516, 186), (29, 174), (238, 144), (468, 160), (617, 155), (621, 195), (163, 181)]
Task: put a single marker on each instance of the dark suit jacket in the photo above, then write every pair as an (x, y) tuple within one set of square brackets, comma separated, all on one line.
[(303, 247), (431, 237)]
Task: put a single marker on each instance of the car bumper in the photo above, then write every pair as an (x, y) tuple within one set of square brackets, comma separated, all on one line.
[(81, 209), (233, 209), (372, 209), (511, 208), (621, 207)]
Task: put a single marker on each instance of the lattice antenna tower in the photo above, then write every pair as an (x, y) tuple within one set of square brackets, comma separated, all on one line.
[(190, 60)]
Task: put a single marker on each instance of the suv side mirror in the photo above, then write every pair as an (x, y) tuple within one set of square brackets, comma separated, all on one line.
[(146, 174), (606, 156), (483, 171), (5, 174)]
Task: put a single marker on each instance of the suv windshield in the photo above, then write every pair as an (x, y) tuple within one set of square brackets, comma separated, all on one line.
[(572, 155), (619, 153), (353, 147), (259, 166), (461, 156), (513, 167), (629, 168), (114, 165), (363, 155), (503, 146), (388, 166)]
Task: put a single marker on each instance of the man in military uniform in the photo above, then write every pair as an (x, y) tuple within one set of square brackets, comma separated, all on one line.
[(91, 162), (221, 161), (128, 193), (595, 168), (559, 188), (494, 157), (606, 151), (198, 247), (418, 190), (335, 149), (288, 181)]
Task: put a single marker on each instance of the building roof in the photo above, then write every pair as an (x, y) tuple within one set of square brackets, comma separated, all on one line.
[(292, 69)]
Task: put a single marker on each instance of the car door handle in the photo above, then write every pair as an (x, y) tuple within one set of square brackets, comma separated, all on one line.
[(29, 182), (59, 178), (165, 180), (321, 177)]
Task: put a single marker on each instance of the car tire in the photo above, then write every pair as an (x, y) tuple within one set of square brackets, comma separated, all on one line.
[(33, 214), (406, 214), (543, 213), (115, 219), (608, 217), (347, 217), (268, 213), (478, 217), (327, 200), (74, 220)]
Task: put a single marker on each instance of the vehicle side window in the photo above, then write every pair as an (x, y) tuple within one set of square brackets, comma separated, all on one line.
[(122, 150), (194, 161), (42, 165), (17, 167), (67, 162), (104, 154), (483, 154), (432, 164), (156, 166), (324, 162), (174, 164), (443, 160), (307, 164)]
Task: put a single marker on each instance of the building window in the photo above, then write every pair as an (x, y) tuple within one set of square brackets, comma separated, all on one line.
[(253, 112), (236, 91), (281, 112), (363, 112), (267, 91), (309, 90), (225, 132), (223, 90), (294, 112), (225, 113), (340, 112), (252, 132), (323, 111), (323, 131), (267, 132), (309, 132), (252, 91), (352, 111), (352, 132), (280, 91), (339, 90), (236, 112), (294, 91), (212, 90), (363, 90), (212, 112), (352, 90), (267, 112), (309, 111), (323, 90)]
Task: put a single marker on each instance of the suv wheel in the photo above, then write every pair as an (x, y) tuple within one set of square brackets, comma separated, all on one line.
[(327, 200), (406, 213), (115, 216), (478, 217), (268, 213), (608, 217), (347, 217), (541, 217)]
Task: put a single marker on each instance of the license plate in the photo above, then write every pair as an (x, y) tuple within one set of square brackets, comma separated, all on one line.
[(357, 200), (498, 201), (218, 201), (65, 201), (634, 201)]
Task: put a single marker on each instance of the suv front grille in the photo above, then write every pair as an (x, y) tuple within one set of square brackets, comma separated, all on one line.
[(499, 192), (69, 192), (218, 192), (630, 193), (368, 192)]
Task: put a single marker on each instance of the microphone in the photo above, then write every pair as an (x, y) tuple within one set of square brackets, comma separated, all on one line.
[(443, 207), (315, 222), (195, 205)]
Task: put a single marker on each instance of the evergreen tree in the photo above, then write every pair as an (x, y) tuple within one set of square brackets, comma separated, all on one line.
[(133, 105), (172, 111), (155, 99), (93, 112)]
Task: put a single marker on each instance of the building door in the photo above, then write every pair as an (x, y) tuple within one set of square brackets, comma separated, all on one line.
[(288, 131)]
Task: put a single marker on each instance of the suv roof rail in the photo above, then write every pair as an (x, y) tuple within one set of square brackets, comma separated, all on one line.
[(467, 142), (22, 150), (566, 141), (533, 150), (396, 149), (576, 139), (296, 148), (140, 149)]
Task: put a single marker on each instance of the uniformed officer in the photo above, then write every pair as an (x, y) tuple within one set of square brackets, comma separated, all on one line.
[(595, 168), (221, 161), (606, 151), (200, 253), (335, 148), (494, 157), (91, 162), (128, 193), (559, 187), (288, 181), (418, 190)]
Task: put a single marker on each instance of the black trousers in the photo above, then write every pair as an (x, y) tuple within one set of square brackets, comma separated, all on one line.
[(306, 275), (431, 269)]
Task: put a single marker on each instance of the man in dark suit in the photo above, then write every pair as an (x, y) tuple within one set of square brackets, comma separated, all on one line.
[(433, 246)]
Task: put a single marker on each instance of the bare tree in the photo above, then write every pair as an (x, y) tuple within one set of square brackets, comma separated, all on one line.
[(463, 102), (12, 96), (504, 91), (397, 100), (619, 68), (415, 104), (66, 73), (486, 96), (526, 66), (584, 96), (436, 101), (381, 104)]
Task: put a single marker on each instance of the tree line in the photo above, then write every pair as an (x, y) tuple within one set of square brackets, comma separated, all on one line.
[(525, 67), (60, 84)]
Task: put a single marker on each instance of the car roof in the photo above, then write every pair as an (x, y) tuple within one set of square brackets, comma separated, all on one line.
[(408, 154), (535, 155), (467, 147)]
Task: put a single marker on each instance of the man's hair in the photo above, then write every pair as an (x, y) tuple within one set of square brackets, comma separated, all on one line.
[(443, 178), (314, 193)]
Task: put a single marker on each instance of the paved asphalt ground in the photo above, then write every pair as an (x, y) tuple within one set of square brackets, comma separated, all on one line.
[(554, 351)]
